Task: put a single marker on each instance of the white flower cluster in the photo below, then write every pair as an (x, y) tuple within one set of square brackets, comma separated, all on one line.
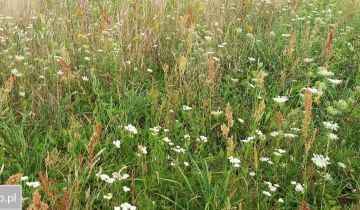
[(115, 176), (320, 161), (125, 206), (131, 129), (298, 187), (202, 139), (235, 161), (279, 152), (331, 125), (266, 159)]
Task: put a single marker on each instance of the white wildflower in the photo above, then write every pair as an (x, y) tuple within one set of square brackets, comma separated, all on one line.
[(186, 108), (281, 99), (274, 133), (240, 120), (342, 165), (126, 189), (248, 139), (202, 138), (33, 184), (314, 91), (131, 129), (266, 193), (333, 136), (142, 149), (117, 143), (108, 196), (235, 161), (324, 72), (24, 178), (320, 160), (327, 177), (335, 81), (299, 188), (331, 125), (127, 206), (290, 135)]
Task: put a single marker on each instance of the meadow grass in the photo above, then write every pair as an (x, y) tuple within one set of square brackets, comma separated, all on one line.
[(191, 104)]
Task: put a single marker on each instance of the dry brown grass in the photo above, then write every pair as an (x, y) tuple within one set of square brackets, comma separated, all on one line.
[(18, 9)]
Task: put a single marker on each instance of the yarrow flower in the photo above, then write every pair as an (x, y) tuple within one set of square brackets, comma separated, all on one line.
[(202, 138), (178, 149), (117, 143), (333, 136), (266, 159), (266, 193), (331, 125), (106, 178), (335, 81), (33, 184), (328, 177), (324, 72), (126, 189), (131, 129), (142, 149), (235, 161), (272, 187), (290, 135), (125, 206), (281, 99), (155, 130), (248, 139), (320, 161), (314, 91), (274, 133), (298, 187), (279, 152)]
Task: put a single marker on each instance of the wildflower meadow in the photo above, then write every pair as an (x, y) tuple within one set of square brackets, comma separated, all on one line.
[(181, 104)]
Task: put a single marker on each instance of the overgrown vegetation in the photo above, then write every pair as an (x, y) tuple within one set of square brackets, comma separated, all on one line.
[(168, 104)]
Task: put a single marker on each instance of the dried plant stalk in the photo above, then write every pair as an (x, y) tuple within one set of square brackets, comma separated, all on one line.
[(259, 111), (45, 185), (14, 179), (37, 204), (230, 146), (95, 138), (64, 202), (307, 114), (4, 93), (229, 116)]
